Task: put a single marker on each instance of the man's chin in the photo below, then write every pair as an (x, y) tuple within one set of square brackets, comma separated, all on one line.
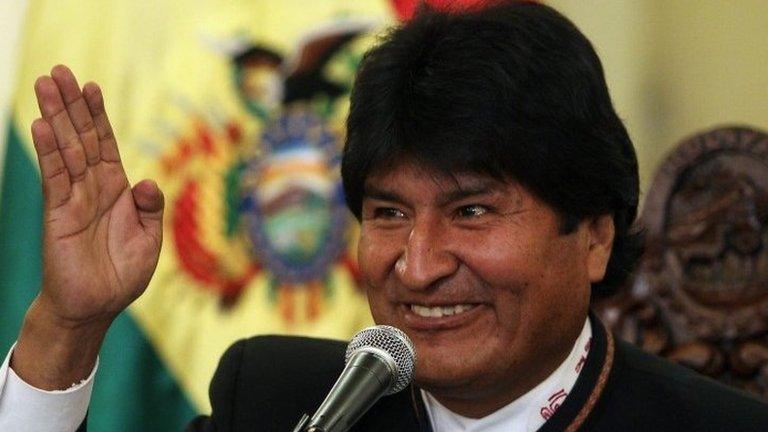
[(446, 377)]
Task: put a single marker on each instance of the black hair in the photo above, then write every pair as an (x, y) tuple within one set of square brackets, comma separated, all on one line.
[(511, 91)]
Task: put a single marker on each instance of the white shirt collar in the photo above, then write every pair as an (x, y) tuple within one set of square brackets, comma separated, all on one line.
[(526, 413)]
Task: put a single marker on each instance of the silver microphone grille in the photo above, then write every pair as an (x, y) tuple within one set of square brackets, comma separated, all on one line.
[(392, 341)]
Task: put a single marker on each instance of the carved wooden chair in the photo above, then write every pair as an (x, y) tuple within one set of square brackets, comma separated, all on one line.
[(699, 296)]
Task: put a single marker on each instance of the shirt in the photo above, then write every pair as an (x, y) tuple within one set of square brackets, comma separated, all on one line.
[(526, 413), (29, 409)]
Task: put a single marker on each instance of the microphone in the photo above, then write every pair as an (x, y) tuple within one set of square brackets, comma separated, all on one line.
[(379, 361)]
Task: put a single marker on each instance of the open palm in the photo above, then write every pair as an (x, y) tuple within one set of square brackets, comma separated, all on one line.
[(101, 237)]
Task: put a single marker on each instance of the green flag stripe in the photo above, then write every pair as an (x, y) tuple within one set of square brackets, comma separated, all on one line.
[(20, 220), (134, 391)]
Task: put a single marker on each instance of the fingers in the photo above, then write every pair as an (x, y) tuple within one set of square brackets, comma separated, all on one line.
[(95, 101), (78, 112), (149, 202), (56, 182), (55, 113)]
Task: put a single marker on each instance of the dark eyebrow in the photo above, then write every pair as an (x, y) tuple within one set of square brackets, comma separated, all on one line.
[(460, 193), (371, 192), (468, 191)]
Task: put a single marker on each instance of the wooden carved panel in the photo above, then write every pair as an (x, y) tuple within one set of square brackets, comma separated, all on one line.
[(700, 294)]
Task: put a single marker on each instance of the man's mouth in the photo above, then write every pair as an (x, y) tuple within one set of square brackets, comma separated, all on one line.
[(440, 311), (440, 317)]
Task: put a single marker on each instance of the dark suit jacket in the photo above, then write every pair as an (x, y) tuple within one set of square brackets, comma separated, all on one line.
[(266, 383)]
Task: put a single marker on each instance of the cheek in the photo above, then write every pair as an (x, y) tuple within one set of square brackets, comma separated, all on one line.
[(504, 261), (381, 310), (542, 274), (569, 259), (375, 254), (565, 281)]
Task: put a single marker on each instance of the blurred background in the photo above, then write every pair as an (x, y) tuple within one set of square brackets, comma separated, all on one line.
[(236, 108)]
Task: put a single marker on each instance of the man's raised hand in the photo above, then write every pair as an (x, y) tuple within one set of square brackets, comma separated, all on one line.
[(101, 238)]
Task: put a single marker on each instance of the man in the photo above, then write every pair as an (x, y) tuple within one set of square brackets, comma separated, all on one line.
[(496, 188)]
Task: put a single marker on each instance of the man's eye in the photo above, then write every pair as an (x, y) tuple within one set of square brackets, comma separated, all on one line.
[(388, 213), (473, 210)]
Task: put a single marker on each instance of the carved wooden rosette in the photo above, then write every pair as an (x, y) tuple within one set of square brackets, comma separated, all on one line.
[(700, 294)]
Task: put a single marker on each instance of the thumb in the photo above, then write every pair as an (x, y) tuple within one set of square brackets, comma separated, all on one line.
[(149, 202)]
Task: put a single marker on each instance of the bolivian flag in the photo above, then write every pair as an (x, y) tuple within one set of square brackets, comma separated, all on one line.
[(236, 109)]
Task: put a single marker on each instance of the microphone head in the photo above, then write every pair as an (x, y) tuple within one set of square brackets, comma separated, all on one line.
[(392, 342)]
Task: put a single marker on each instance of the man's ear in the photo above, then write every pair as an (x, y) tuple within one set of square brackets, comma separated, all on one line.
[(601, 233)]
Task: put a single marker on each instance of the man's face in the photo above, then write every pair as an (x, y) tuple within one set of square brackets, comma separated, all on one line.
[(475, 271)]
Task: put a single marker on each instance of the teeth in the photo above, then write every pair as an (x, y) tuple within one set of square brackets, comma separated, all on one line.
[(438, 311)]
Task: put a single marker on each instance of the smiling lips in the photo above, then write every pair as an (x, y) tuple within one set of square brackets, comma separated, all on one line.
[(444, 317), (440, 311)]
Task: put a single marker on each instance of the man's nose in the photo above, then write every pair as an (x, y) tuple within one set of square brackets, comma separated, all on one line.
[(426, 258)]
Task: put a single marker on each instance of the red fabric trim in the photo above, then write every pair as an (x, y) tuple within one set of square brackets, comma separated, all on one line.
[(406, 8)]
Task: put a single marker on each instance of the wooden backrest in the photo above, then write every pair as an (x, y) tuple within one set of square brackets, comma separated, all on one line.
[(699, 296)]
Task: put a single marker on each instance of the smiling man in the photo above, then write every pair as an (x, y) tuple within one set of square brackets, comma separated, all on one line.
[(477, 272), (496, 189)]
